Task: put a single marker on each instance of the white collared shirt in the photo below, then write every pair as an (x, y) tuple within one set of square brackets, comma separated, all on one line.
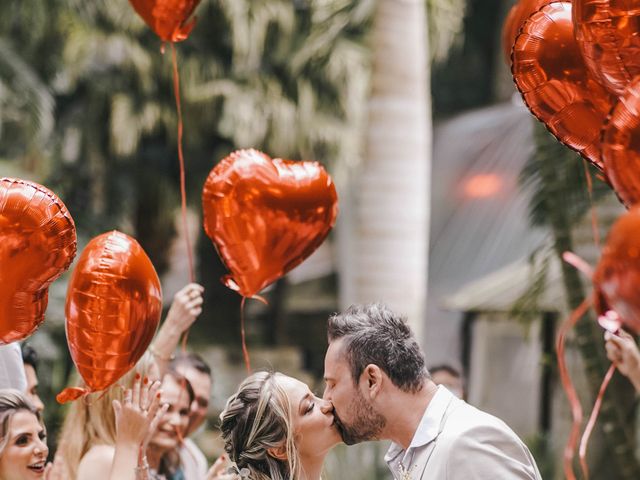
[(400, 461)]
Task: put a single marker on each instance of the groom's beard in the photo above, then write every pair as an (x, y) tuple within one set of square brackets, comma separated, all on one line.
[(366, 425)]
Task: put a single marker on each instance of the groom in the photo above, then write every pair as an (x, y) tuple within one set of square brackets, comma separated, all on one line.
[(376, 378)]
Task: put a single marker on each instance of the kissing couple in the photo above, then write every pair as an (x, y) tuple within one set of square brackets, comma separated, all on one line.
[(377, 388)]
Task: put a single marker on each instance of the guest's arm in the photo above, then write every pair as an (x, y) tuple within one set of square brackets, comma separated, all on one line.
[(185, 309)]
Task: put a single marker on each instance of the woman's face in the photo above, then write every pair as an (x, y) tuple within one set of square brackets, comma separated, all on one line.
[(314, 430), (174, 422), (26, 451)]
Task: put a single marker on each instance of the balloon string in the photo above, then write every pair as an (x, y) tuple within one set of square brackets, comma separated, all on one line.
[(576, 408), (582, 452), (245, 352), (183, 191), (578, 263), (594, 214)]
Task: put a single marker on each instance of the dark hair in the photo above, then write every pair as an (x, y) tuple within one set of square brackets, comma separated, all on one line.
[(192, 360), (29, 356), (375, 335), (445, 368)]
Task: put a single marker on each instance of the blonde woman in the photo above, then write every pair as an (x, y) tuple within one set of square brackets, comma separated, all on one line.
[(88, 437), (87, 440), (274, 428)]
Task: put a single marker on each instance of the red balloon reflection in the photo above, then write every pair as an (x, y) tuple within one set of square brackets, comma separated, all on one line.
[(621, 146), (37, 244), (266, 216), (549, 71), (113, 309), (608, 33)]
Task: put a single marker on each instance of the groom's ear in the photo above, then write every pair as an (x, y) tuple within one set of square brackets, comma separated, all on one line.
[(279, 453), (373, 377)]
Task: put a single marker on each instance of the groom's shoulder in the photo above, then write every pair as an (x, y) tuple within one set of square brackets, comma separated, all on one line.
[(465, 419)]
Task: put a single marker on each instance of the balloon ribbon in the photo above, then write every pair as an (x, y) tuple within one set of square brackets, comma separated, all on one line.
[(584, 441), (567, 384), (183, 191)]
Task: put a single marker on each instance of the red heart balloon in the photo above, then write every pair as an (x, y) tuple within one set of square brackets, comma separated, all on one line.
[(266, 216), (616, 279), (168, 18), (621, 146), (113, 309), (555, 84), (38, 243), (514, 20), (608, 32)]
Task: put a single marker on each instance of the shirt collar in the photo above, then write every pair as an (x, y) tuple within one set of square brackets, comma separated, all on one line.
[(429, 426)]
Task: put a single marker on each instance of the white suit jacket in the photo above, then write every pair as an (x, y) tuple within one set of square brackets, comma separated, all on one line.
[(456, 441)]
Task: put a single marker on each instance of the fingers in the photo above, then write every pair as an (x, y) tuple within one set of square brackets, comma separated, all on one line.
[(623, 334), (189, 293), (155, 401), (219, 466), (136, 391), (158, 416), (117, 408), (128, 396), (614, 353), (144, 394), (47, 471)]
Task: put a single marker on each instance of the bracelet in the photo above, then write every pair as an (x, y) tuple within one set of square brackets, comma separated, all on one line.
[(155, 353), (142, 469)]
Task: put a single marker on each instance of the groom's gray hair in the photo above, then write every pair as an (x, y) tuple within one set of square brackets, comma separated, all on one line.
[(374, 334)]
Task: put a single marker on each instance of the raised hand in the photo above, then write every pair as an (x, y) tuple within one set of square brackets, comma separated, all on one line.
[(136, 419), (623, 352), (140, 409), (186, 307), (57, 470)]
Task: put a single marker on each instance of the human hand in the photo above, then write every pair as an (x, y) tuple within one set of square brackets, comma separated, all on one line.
[(624, 353), (57, 470), (219, 469), (139, 414), (186, 307)]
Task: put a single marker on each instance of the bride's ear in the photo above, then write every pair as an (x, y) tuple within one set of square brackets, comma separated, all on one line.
[(279, 453)]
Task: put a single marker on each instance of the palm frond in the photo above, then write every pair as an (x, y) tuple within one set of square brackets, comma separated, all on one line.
[(28, 88)]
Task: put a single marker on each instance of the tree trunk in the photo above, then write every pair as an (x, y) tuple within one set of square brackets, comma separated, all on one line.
[(389, 230)]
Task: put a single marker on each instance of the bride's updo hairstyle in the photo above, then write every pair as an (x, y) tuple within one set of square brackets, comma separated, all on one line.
[(257, 429)]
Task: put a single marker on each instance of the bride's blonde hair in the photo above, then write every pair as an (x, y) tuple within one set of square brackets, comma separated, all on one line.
[(257, 419)]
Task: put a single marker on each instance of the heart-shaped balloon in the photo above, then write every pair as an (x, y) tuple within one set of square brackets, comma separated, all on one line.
[(170, 19), (555, 84), (616, 279), (514, 20), (112, 311), (608, 33), (266, 216), (621, 146), (37, 244)]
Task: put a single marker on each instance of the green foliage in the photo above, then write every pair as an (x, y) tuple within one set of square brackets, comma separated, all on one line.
[(571, 186)]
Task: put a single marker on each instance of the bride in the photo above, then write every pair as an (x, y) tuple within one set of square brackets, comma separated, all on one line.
[(274, 428)]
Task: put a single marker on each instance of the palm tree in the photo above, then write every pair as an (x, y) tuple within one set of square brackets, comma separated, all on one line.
[(387, 243)]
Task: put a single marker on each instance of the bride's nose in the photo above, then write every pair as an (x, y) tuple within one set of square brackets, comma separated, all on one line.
[(326, 407)]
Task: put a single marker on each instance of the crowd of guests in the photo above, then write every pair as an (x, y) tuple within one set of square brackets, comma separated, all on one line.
[(273, 427)]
